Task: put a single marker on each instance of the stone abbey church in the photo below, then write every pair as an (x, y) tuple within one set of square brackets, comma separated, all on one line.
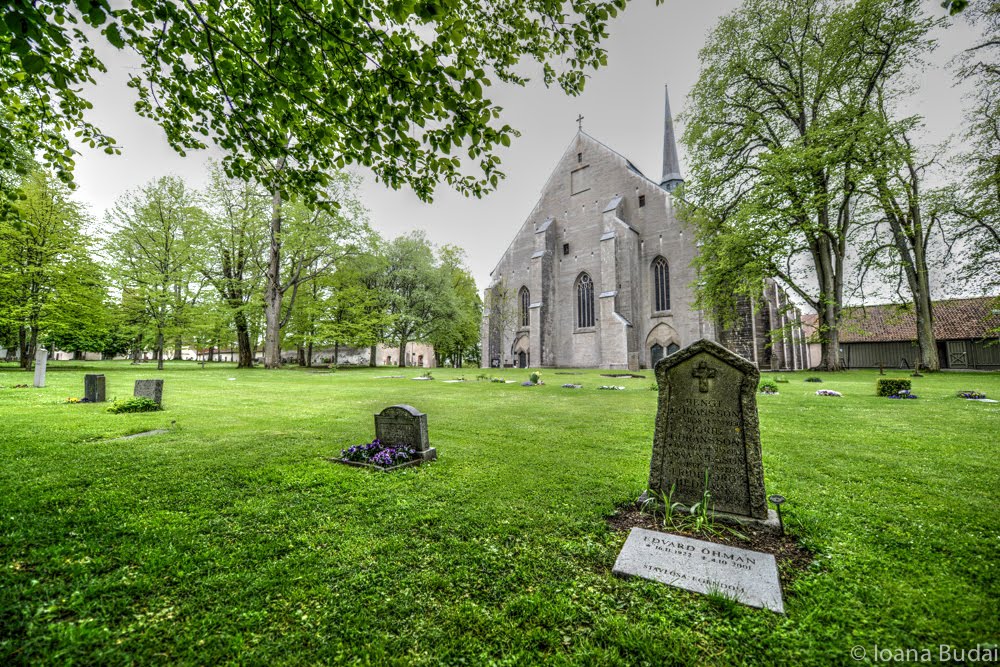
[(600, 275)]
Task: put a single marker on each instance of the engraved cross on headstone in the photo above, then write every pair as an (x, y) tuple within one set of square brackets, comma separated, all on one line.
[(704, 373)]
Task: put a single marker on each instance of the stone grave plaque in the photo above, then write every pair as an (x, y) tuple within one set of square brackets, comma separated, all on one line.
[(94, 388), (706, 424), (405, 425), (41, 360), (750, 577), (149, 389)]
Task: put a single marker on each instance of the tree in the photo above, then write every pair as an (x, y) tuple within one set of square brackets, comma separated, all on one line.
[(976, 229), (42, 261), (232, 246), (395, 87), (419, 298), (306, 242), (905, 219), (358, 311), (503, 308), (152, 248), (773, 131), (454, 336)]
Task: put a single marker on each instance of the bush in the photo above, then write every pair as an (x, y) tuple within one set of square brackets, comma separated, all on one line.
[(767, 387), (891, 386), (814, 379), (535, 377), (134, 404)]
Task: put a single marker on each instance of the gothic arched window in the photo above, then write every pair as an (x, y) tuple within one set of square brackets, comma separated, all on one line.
[(584, 301), (661, 285), (525, 298)]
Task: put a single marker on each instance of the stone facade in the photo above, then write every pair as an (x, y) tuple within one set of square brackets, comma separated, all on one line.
[(601, 222)]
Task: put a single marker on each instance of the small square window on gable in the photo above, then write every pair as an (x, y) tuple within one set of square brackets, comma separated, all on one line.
[(579, 158), (642, 200)]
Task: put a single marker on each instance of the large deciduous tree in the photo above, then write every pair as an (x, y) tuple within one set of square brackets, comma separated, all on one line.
[(977, 204), (399, 87), (773, 131), (44, 266), (153, 249), (233, 244)]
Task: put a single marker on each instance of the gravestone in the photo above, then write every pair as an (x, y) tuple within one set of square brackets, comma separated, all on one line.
[(149, 389), (93, 388), (706, 424), (41, 359), (405, 425), (749, 577)]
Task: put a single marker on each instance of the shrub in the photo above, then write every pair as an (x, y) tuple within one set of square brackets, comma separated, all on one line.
[(535, 377), (767, 387), (500, 380), (814, 379), (134, 404), (781, 380), (891, 386)]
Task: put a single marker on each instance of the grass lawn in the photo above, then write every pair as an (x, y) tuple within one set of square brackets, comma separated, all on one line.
[(231, 538)]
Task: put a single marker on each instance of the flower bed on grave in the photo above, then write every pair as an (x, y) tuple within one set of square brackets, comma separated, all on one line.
[(380, 456)]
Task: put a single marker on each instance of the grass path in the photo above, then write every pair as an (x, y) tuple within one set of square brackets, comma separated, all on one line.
[(231, 539)]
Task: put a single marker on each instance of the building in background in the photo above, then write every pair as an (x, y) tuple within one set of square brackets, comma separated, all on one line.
[(967, 333), (600, 275)]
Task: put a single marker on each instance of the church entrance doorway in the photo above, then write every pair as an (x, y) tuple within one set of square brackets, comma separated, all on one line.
[(522, 359)]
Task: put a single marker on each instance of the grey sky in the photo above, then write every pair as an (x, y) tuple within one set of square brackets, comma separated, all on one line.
[(649, 46)]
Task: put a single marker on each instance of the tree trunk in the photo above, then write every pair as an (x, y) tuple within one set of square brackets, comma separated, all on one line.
[(309, 355), (32, 347), (178, 349), (336, 353), (302, 356), (159, 351), (137, 350), (22, 348), (243, 340), (372, 361), (272, 289), (402, 353)]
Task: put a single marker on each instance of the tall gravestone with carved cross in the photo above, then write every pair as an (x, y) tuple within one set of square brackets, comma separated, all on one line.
[(707, 434)]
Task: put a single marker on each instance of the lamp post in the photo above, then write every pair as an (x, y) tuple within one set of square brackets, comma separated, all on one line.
[(778, 500)]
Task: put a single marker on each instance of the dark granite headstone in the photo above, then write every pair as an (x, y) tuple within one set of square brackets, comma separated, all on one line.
[(404, 425), (149, 389), (94, 388), (706, 422)]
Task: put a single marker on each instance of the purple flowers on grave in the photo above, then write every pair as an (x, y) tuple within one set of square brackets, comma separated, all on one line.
[(904, 393), (379, 454)]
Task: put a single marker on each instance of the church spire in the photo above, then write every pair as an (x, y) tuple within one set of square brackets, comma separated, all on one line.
[(671, 165)]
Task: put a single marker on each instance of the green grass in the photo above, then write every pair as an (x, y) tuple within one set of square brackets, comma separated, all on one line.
[(231, 539)]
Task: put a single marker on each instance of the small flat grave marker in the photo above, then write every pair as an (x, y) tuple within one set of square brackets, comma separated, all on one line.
[(405, 425), (152, 389), (94, 388), (749, 577)]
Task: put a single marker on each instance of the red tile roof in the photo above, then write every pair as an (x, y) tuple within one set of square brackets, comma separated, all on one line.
[(953, 319)]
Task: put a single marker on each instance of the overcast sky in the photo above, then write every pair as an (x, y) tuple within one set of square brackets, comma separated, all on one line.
[(649, 47)]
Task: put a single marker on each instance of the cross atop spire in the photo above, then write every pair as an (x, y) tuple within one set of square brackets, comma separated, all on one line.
[(579, 123), (671, 164)]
